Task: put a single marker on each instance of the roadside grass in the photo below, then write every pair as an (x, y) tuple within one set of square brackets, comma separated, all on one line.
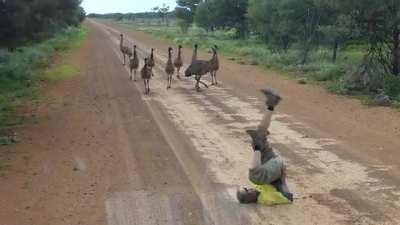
[(60, 72), (22, 70)]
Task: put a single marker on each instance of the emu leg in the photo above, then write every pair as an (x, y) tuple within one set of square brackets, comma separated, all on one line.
[(131, 74), (205, 85), (134, 75), (148, 86), (197, 84), (145, 86), (215, 77), (177, 73)]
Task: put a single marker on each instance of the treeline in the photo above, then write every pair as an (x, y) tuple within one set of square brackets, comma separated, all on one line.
[(125, 16), (307, 25), (25, 20)]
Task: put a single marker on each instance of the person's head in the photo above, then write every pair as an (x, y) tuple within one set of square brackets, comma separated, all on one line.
[(247, 195)]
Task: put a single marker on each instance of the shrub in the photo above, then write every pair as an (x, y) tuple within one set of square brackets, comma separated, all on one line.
[(328, 72), (19, 69), (392, 86)]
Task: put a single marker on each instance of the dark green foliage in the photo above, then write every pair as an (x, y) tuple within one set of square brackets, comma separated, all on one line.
[(203, 16), (25, 20), (392, 87)]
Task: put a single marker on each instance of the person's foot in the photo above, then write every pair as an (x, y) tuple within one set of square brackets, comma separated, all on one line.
[(273, 98)]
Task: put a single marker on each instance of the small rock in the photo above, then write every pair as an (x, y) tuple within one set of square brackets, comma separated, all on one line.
[(382, 100)]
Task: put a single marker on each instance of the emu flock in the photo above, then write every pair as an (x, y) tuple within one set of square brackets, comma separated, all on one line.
[(197, 68)]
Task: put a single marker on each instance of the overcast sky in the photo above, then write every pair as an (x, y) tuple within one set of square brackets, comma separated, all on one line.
[(123, 6)]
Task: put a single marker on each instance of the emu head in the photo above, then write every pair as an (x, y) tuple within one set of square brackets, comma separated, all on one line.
[(134, 46), (196, 46), (169, 49), (180, 46)]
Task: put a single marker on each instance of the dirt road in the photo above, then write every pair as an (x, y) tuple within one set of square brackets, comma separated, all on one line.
[(104, 153)]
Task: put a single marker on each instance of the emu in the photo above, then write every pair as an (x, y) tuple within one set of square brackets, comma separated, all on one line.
[(125, 50), (169, 68), (178, 63), (214, 66), (134, 63), (151, 61), (146, 75), (198, 68)]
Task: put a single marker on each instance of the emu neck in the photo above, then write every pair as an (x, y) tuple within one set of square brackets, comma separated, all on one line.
[(194, 54), (121, 41)]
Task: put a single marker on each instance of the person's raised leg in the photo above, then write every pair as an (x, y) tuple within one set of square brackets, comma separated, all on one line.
[(272, 101)]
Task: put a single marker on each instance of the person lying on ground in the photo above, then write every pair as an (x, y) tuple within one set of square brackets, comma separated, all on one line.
[(267, 169)]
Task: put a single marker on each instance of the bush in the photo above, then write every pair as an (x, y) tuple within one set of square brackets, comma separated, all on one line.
[(367, 78), (392, 86), (329, 72), (337, 87), (19, 69)]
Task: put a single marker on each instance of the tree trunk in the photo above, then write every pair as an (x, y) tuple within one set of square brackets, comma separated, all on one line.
[(335, 49), (396, 52)]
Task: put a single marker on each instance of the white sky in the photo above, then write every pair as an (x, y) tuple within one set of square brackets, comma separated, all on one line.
[(123, 6)]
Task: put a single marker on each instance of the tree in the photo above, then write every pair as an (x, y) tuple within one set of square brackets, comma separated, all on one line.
[(25, 19), (162, 11), (228, 14), (338, 32), (203, 16), (379, 22), (185, 12)]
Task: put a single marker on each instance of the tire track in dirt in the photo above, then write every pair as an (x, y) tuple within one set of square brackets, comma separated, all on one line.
[(217, 134)]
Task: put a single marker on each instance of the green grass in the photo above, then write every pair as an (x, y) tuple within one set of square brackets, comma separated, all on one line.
[(21, 70), (60, 72)]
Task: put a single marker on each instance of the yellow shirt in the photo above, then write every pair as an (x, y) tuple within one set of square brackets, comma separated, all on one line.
[(270, 196)]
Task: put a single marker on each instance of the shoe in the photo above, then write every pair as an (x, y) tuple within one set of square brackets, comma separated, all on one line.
[(273, 98)]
